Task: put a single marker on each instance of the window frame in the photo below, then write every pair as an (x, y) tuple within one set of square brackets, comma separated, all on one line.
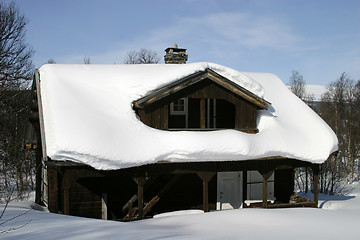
[(179, 112)]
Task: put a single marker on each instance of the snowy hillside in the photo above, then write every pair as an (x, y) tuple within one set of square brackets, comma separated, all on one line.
[(338, 219), (315, 91)]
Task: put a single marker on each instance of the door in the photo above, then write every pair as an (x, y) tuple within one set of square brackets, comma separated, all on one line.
[(229, 190)]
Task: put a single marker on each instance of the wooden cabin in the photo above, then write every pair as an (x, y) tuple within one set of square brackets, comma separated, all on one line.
[(186, 136)]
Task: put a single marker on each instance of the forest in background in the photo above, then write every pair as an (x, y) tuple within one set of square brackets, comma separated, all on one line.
[(339, 107), (17, 165)]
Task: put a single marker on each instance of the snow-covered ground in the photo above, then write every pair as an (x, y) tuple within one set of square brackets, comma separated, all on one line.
[(338, 218)]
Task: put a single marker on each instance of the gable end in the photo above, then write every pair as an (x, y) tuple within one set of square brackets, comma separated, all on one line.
[(194, 78)]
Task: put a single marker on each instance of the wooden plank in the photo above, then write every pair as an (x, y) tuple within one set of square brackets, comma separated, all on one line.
[(291, 205), (202, 113), (165, 117), (129, 203), (264, 193), (265, 174), (315, 169), (244, 187), (66, 199), (53, 189), (205, 196), (141, 182)]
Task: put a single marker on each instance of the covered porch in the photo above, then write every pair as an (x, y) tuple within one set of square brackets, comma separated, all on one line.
[(139, 192)]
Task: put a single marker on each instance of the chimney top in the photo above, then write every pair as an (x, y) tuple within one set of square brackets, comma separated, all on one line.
[(175, 55)]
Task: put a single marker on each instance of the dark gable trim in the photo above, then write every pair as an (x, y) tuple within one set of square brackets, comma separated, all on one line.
[(195, 78)]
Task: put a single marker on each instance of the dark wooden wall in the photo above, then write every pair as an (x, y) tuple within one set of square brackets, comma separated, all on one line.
[(283, 185), (156, 115), (78, 191)]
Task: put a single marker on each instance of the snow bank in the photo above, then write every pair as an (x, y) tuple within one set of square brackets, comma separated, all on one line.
[(270, 224), (88, 118)]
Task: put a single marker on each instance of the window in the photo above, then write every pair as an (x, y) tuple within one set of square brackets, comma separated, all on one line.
[(179, 107), (186, 113), (178, 117)]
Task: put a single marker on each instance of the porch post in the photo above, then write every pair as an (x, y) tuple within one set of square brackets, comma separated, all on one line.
[(265, 175), (141, 182), (315, 169), (244, 188), (66, 194), (264, 192), (205, 177), (66, 200)]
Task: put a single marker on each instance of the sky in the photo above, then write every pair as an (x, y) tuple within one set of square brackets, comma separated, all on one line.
[(320, 39)]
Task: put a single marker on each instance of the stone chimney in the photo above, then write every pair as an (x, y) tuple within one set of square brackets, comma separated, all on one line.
[(175, 55)]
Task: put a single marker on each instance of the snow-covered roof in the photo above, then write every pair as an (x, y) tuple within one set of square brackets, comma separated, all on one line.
[(88, 118)]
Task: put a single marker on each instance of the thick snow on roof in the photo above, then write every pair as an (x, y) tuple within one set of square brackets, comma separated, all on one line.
[(88, 118)]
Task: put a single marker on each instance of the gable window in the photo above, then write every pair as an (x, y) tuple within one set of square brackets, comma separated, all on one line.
[(179, 107), (178, 117)]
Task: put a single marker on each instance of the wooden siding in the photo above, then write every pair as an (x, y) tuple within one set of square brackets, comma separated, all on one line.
[(54, 189), (156, 115)]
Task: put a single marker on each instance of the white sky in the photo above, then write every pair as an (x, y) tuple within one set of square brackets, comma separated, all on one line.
[(320, 39)]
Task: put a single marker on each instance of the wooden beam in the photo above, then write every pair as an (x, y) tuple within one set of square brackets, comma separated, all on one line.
[(206, 177), (66, 194), (205, 196), (141, 182), (265, 174), (202, 113), (244, 187), (148, 183), (315, 169), (316, 189), (53, 203), (162, 192), (264, 193)]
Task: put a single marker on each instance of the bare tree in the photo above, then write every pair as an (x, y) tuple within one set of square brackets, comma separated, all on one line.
[(297, 84), (341, 110), (51, 61), (15, 55), (16, 71), (87, 60), (143, 56), (357, 126)]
